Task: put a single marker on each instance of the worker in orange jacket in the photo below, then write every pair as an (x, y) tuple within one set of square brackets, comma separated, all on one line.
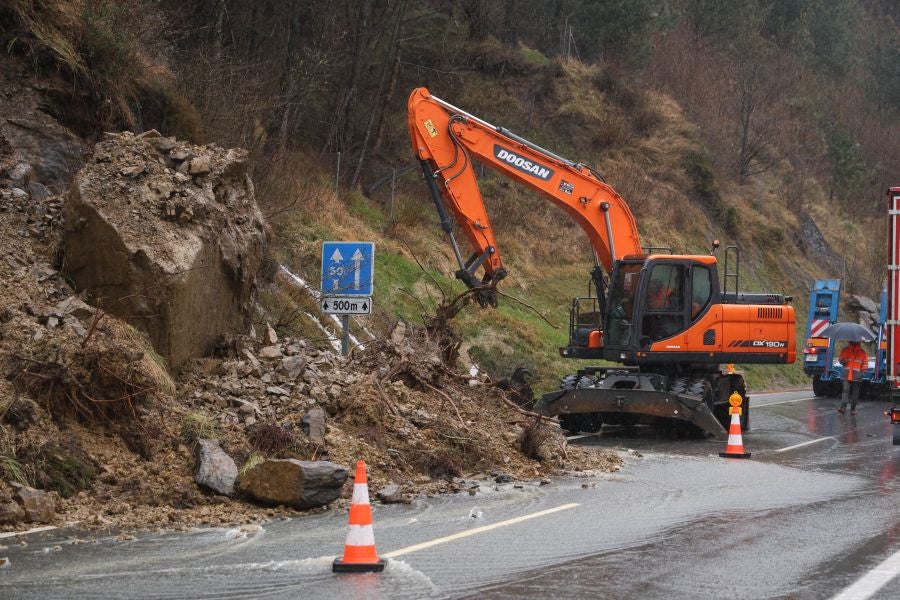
[(854, 359)]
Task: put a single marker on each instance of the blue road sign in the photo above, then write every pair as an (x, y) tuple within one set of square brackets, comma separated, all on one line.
[(348, 268)]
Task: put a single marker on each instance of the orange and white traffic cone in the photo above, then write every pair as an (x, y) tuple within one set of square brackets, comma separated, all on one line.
[(359, 549), (735, 446)]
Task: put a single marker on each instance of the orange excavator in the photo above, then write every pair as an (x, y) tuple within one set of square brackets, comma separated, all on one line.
[(663, 317)]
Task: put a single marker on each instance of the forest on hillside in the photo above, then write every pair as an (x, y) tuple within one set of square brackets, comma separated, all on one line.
[(813, 81), (769, 122)]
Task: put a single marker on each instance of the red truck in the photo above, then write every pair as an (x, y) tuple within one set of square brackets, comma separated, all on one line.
[(892, 322)]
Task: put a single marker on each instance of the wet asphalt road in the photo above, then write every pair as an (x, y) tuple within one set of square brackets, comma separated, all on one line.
[(816, 508)]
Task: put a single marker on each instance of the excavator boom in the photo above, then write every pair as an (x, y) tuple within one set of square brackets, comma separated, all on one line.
[(447, 139)]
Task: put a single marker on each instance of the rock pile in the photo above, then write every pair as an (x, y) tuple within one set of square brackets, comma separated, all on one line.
[(418, 423), (866, 310), (168, 236)]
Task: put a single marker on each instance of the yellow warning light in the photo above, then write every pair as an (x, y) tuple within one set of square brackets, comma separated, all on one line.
[(735, 399)]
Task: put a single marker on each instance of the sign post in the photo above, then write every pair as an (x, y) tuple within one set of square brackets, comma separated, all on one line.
[(348, 271)]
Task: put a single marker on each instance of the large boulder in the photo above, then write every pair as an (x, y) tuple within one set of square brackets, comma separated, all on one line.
[(292, 482), (11, 513), (861, 303), (216, 470), (167, 236), (39, 506)]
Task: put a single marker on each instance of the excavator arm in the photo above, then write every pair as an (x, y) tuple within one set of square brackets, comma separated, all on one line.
[(447, 139)]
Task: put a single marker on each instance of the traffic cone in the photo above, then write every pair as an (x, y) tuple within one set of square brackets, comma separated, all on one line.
[(735, 446), (359, 549)]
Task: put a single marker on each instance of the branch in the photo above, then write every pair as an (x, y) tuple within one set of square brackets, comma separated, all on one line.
[(424, 270), (525, 304), (450, 400)]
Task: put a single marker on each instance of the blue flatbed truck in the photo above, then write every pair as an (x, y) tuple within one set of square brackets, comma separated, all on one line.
[(820, 355), (824, 304)]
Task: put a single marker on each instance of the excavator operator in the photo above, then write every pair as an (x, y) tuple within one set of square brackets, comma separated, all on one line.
[(660, 296)]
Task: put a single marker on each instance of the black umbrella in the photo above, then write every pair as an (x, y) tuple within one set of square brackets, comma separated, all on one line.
[(852, 332)]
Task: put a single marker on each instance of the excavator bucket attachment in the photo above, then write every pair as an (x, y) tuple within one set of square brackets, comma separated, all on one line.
[(636, 401)]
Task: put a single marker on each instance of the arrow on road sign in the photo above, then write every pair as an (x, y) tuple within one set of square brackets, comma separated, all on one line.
[(337, 256), (357, 259)]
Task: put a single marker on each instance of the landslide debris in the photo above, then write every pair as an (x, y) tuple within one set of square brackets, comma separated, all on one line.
[(167, 236), (99, 431)]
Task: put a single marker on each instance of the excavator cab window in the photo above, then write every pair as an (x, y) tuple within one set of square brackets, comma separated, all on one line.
[(701, 290), (664, 304), (621, 303)]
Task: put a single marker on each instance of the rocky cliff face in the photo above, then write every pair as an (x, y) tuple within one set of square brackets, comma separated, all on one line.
[(167, 236)]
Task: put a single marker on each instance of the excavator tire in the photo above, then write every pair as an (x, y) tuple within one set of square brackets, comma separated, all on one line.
[(702, 388), (722, 409), (568, 382), (679, 385), (576, 423)]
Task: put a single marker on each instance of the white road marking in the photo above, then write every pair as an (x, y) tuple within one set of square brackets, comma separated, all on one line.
[(867, 585), (583, 435), (807, 443), (17, 533), (755, 394), (477, 530), (758, 404)]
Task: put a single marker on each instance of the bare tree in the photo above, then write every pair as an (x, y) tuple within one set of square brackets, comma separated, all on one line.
[(757, 91)]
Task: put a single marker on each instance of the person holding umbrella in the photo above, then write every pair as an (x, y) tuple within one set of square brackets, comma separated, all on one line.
[(854, 359)]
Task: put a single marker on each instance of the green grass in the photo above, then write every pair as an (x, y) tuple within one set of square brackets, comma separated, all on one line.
[(198, 425), (14, 470), (253, 460)]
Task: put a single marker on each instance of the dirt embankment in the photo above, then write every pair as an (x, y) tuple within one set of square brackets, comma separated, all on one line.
[(150, 261)]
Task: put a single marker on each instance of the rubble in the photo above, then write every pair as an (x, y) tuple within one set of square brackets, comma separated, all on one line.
[(391, 494), (313, 424)]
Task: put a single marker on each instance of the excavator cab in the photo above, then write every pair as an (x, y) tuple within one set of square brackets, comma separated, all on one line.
[(651, 299), (657, 298)]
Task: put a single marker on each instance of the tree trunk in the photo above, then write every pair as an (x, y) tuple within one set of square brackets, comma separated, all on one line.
[(387, 68)]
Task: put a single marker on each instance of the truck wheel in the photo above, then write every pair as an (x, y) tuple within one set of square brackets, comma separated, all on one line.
[(834, 388), (896, 434), (820, 388)]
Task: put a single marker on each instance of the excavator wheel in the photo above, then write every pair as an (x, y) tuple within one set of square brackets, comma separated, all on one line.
[(679, 385), (569, 382), (702, 388), (721, 411), (577, 422)]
